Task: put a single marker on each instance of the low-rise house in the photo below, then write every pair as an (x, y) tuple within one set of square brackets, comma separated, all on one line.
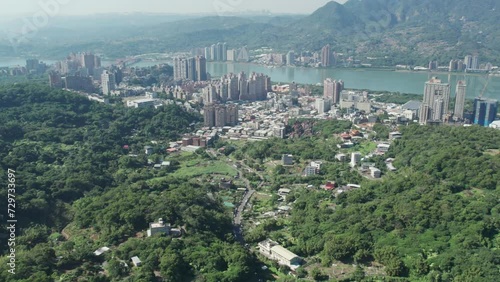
[(341, 157), (309, 171), (287, 159), (375, 172), (284, 191), (395, 135), (136, 261), (274, 251), (101, 251), (158, 228)]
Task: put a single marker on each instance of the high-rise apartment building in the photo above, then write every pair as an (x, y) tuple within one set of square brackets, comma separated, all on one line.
[(108, 82), (435, 105), (329, 88), (217, 115), (232, 55), (332, 90), (194, 69), (201, 68), (485, 111), (326, 54), (290, 58), (460, 94), (468, 61)]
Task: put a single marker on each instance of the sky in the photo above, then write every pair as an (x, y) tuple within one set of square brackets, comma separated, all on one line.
[(83, 7)]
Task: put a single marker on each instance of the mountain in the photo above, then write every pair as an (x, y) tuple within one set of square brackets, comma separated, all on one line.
[(397, 31)]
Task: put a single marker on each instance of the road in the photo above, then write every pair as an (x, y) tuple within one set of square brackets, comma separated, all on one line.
[(238, 213)]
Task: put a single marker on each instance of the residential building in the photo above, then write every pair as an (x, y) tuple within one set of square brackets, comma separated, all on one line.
[(460, 100), (468, 62), (136, 261), (356, 100), (326, 54), (287, 159), (309, 171), (201, 68), (485, 111), (375, 172), (217, 115), (232, 55), (322, 105), (55, 80), (274, 251), (495, 124), (290, 58), (78, 83), (158, 228), (355, 159), (435, 105), (108, 82)]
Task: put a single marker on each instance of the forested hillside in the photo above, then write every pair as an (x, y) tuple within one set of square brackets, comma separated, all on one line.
[(78, 190), (435, 219)]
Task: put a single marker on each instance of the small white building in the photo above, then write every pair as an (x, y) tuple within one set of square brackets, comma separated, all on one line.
[(101, 251), (309, 171), (316, 165), (274, 251), (136, 261), (284, 191), (495, 124), (158, 227), (355, 159)]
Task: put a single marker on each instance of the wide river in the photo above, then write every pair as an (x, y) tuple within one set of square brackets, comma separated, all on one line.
[(376, 80)]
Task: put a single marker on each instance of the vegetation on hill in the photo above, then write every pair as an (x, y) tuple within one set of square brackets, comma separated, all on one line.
[(435, 219), (79, 190)]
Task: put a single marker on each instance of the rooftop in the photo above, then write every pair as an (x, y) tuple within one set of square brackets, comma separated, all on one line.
[(283, 252)]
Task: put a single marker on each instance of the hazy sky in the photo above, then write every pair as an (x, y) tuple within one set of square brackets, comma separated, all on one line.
[(65, 7)]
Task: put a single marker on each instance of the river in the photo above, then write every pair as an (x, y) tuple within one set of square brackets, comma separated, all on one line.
[(376, 80)]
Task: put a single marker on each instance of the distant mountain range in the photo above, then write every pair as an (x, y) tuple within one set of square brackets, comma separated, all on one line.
[(397, 31)]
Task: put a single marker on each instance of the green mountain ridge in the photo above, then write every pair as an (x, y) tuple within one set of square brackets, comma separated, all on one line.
[(404, 32)]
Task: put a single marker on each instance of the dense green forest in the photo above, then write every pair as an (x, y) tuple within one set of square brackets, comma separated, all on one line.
[(436, 219), (78, 190)]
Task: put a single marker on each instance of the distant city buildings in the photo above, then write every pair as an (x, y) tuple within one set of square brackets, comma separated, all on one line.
[(356, 100), (232, 87), (436, 101), (216, 52), (485, 111)]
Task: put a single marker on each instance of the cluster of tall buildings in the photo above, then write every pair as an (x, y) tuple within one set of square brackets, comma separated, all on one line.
[(216, 52), (35, 66), (435, 105), (469, 63), (194, 68), (232, 87), (220, 53), (84, 64), (485, 111), (220, 115)]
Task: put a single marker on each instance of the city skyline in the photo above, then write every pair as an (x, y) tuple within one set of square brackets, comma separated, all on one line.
[(220, 7)]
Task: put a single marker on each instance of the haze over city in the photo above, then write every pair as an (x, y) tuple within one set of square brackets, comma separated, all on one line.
[(73, 7)]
